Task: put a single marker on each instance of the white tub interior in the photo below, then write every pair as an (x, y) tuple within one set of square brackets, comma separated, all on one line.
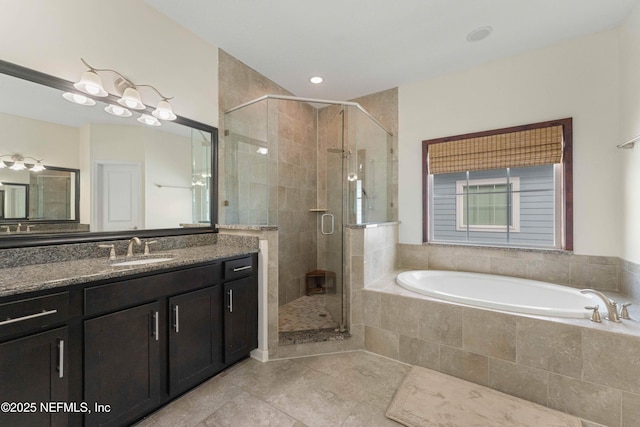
[(499, 292)]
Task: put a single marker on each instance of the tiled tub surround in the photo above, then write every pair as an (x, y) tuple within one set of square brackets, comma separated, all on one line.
[(44, 267), (562, 268), (586, 369)]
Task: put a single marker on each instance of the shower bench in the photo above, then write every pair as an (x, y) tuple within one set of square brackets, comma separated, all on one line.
[(317, 281)]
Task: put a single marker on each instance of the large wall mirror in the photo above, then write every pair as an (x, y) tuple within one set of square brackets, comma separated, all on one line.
[(102, 176)]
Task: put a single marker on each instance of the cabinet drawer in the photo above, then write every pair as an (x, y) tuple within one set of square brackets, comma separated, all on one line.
[(238, 268), (127, 293), (33, 314)]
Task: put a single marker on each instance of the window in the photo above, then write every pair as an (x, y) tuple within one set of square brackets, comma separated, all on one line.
[(507, 187), (488, 204)]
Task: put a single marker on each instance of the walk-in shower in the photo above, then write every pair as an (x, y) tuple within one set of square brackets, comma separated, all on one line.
[(311, 168)]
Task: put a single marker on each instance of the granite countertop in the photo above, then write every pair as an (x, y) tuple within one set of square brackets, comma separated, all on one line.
[(16, 280)]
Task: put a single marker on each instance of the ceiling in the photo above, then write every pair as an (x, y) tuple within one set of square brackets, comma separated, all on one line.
[(365, 46)]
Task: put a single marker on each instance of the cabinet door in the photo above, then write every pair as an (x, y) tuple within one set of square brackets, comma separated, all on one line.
[(122, 358), (240, 318), (34, 370), (195, 337)]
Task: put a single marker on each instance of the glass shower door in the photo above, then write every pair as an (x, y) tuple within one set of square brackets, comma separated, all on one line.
[(334, 157)]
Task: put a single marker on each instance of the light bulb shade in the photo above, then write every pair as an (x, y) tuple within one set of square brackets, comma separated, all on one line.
[(131, 99), (163, 111), (116, 110), (91, 83), (79, 99), (18, 165), (38, 167), (148, 120)]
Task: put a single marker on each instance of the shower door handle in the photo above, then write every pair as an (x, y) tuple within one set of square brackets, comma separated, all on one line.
[(322, 223)]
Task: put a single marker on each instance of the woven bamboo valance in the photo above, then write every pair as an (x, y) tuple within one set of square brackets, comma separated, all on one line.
[(533, 147)]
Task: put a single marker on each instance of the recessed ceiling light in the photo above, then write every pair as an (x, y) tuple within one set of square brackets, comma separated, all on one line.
[(480, 33), (316, 80)]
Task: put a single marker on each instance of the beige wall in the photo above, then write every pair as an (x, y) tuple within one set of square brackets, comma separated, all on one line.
[(577, 78), (56, 144), (126, 35), (629, 128)]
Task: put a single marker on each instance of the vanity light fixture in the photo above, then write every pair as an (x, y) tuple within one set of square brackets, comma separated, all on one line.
[(91, 83), (163, 111), (17, 163), (130, 98)]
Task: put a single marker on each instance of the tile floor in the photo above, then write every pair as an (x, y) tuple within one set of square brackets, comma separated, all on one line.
[(345, 389), (305, 313)]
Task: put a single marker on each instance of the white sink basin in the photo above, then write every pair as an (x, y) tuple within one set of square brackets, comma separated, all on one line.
[(143, 261)]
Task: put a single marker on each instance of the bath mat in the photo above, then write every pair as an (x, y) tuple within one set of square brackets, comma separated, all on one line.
[(430, 399)]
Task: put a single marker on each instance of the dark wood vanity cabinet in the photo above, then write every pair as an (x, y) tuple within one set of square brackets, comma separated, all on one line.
[(34, 362), (241, 308), (240, 318), (122, 364), (195, 338), (124, 347), (179, 334), (33, 370)]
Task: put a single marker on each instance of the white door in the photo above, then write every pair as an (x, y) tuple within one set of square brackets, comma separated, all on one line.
[(118, 199)]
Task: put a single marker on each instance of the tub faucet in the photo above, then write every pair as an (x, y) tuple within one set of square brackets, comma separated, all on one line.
[(130, 246), (611, 305)]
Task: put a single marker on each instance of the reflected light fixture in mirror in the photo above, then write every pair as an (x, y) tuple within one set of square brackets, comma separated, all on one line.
[(17, 163), (116, 110), (148, 120), (91, 84), (78, 99)]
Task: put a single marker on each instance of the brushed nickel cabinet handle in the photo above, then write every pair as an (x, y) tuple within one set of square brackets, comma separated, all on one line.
[(230, 300), (246, 267), (176, 311), (61, 359), (30, 316), (157, 325)]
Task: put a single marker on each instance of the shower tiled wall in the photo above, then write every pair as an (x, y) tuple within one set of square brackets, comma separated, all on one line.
[(290, 129), (297, 183)]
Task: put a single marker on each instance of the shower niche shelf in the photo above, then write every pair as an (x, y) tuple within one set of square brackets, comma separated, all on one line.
[(318, 210)]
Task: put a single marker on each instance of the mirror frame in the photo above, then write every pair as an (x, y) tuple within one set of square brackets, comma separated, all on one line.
[(4, 220), (76, 183), (25, 240)]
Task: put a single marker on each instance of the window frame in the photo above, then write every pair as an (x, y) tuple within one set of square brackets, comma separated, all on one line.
[(514, 226), (566, 185)]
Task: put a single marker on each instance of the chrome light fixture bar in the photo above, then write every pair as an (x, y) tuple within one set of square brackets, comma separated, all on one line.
[(91, 84), (17, 163)]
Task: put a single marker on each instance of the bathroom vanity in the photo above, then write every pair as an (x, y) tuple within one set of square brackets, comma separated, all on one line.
[(116, 343)]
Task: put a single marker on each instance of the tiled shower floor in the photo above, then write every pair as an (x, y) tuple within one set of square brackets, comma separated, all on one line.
[(305, 313)]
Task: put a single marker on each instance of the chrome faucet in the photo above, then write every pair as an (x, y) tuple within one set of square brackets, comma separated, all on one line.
[(611, 305), (130, 247)]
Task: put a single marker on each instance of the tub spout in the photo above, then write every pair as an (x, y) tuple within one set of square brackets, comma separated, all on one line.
[(611, 305)]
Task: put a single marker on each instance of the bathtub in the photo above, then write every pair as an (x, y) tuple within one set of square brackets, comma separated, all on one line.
[(500, 292)]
